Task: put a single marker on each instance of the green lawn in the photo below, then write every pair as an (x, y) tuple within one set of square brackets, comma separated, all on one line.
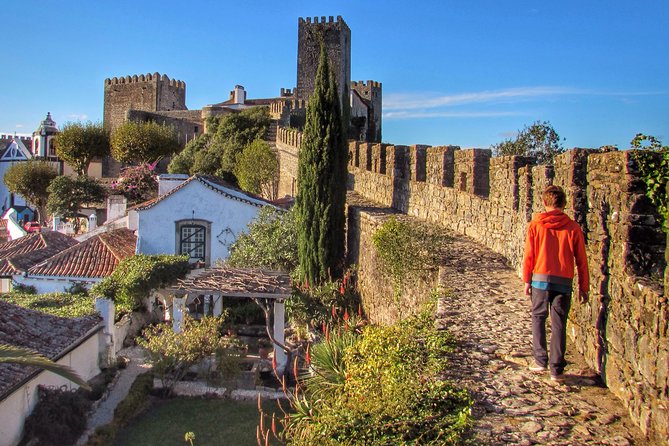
[(214, 422)]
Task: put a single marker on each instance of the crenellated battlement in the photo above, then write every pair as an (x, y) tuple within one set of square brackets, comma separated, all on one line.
[(23, 138), (143, 78), (143, 92), (368, 84), (320, 21)]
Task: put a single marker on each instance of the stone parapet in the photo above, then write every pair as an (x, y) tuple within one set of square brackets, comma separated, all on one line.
[(622, 331)]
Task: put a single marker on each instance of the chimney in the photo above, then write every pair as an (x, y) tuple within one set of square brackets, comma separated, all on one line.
[(239, 95), (116, 207), (168, 181)]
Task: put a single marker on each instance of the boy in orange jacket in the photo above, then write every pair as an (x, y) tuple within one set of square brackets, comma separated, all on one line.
[(554, 241)]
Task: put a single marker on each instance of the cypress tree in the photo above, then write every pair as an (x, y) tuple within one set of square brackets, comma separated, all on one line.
[(322, 173)]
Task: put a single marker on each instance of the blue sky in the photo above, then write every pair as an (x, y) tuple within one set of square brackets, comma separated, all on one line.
[(469, 73)]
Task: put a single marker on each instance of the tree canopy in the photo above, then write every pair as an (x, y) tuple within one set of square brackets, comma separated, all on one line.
[(271, 242), (137, 183), (215, 152), (143, 142), (256, 169), (321, 181), (539, 140), (30, 179), (78, 143), (68, 195)]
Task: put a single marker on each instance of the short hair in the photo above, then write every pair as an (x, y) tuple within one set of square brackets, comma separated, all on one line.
[(555, 197)]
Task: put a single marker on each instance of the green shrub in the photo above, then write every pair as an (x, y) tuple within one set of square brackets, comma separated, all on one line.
[(386, 390), (58, 304), (58, 418), (323, 304), (23, 289), (653, 164), (135, 276), (406, 250), (271, 242), (172, 354)]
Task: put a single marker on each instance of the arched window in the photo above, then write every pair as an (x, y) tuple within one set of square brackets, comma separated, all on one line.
[(52, 148)]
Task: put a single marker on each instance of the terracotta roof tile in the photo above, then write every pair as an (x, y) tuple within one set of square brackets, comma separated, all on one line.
[(94, 257), (17, 256), (49, 335)]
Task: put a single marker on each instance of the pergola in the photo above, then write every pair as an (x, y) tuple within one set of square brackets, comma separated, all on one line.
[(268, 289)]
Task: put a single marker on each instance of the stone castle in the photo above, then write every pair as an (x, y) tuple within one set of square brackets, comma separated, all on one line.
[(155, 97)]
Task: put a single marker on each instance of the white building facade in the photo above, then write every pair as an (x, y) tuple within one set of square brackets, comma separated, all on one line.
[(201, 217)]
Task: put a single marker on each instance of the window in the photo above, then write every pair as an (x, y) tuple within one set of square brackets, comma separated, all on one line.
[(52, 148), (196, 129), (193, 238), (194, 242)]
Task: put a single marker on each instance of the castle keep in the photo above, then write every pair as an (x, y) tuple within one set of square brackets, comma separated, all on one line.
[(157, 98)]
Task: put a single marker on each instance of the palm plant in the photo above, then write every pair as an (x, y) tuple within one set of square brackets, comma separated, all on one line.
[(22, 356)]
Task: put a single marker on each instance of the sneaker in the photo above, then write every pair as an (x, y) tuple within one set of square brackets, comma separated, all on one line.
[(558, 378), (537, 368)]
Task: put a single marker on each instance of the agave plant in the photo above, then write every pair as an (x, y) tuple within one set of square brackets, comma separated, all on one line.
[(17, 355), (327, 369)]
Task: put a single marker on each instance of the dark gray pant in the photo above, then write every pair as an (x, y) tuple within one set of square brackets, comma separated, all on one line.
[(558, 304)]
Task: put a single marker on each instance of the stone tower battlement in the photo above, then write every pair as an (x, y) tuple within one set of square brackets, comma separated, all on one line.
[(144, 92), (336, 36), (370, 91)]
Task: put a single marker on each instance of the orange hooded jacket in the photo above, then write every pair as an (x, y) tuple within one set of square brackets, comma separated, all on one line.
[(553, 242)]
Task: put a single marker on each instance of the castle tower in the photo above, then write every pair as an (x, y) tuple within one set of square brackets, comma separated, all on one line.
[(370, 93), (150, 92), (43, 139), (336, 36)]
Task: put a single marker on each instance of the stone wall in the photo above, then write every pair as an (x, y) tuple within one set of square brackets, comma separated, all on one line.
[(150, 92), (287, 141), (623, 329), (363, 220)]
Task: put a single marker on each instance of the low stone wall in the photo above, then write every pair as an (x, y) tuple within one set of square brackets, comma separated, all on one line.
[(376, 289)]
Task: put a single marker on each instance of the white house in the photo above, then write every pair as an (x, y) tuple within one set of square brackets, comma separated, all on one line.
[(202, 216), (74, 342)]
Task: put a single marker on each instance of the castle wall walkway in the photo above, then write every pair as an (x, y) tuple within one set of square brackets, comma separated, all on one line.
[(486, 311)]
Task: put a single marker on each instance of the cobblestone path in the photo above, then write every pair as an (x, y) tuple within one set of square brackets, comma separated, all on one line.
[(104, 414), (488, 314)]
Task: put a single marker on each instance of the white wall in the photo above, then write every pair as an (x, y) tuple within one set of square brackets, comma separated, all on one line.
[(14, 229), (51, 285), (157, 225), (17, 406)]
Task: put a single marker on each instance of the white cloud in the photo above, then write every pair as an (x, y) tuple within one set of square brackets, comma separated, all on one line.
[(407, 101), (402, 114), (18, 126), (77, 117)]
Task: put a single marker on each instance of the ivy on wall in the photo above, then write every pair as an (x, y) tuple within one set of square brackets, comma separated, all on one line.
[(653, 164), (406, 251), (135, 276)]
